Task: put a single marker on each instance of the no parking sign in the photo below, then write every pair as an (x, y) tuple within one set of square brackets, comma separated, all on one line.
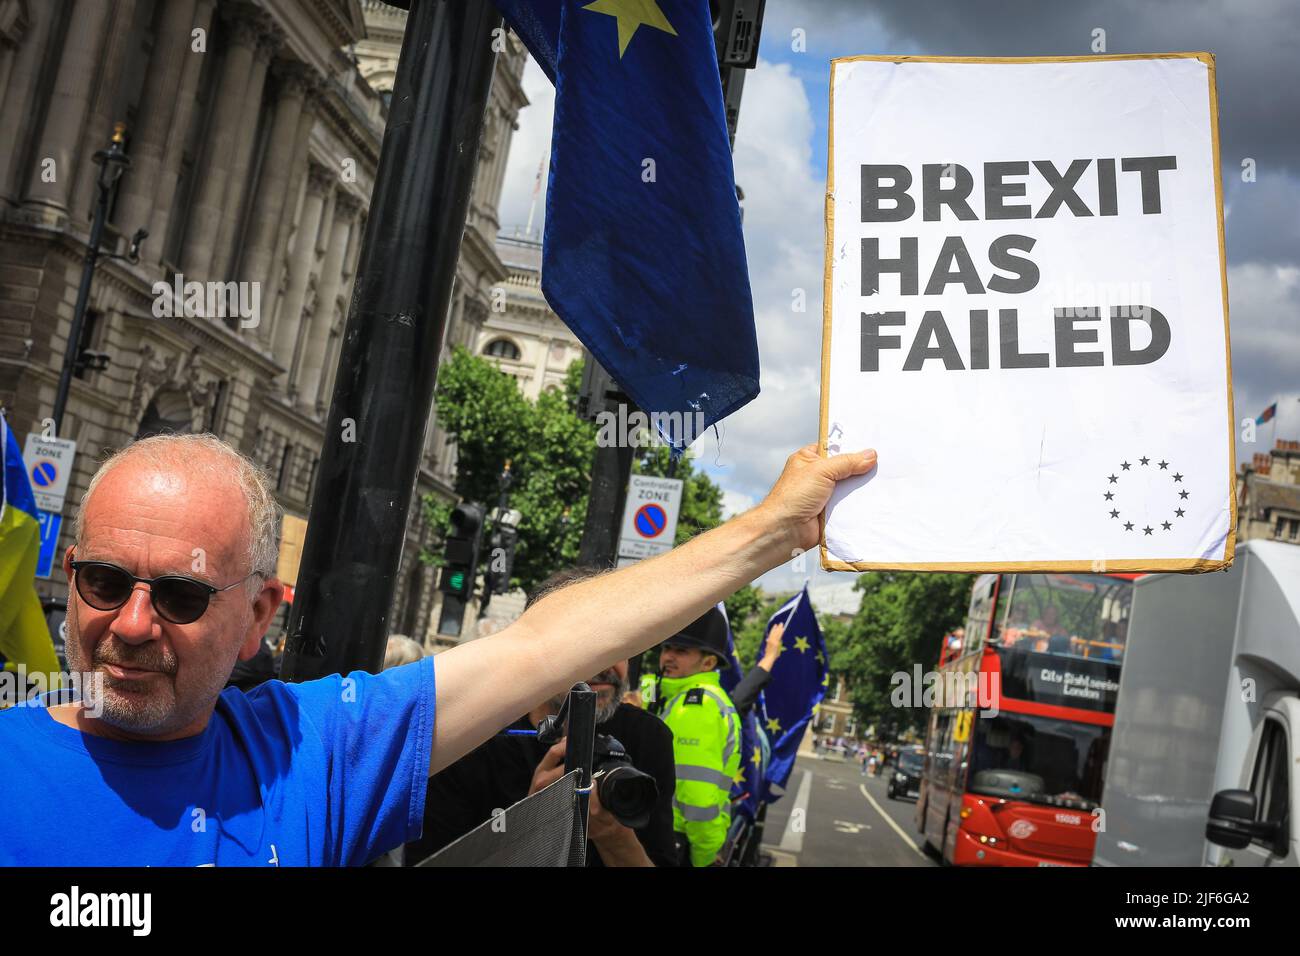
[(49, 466), (649, 517)]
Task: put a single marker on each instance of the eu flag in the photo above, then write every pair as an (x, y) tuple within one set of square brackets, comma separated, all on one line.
[(643, 256), (799, 679)]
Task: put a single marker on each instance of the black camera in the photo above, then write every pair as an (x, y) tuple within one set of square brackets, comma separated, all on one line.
[(624, 791)]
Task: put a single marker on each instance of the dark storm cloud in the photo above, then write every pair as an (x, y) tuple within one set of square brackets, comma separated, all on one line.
[(1255, 46), (1262, 223)]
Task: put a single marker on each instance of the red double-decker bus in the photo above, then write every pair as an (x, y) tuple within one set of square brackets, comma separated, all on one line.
[(1014, 769)]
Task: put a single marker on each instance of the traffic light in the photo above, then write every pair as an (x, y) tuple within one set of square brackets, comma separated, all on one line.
[(461, 550), (736, 28), (501, 559)]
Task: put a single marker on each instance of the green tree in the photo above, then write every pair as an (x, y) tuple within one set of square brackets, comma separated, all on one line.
[(550, 450), (900, 623)]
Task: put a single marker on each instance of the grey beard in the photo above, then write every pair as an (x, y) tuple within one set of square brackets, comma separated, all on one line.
[(156, 713), (603, 711)]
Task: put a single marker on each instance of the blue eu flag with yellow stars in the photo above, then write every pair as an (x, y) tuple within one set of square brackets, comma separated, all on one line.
[(747, 787), (794, 694), (643, 256)]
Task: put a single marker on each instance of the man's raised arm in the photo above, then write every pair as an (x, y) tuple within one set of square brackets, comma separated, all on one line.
[(585, 627)]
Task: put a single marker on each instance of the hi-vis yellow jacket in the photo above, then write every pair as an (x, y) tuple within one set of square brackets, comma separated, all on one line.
[(706, 748)]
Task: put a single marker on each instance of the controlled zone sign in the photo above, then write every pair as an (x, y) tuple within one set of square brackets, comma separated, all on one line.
[(1025, 313), (649, 517), (49, 467)]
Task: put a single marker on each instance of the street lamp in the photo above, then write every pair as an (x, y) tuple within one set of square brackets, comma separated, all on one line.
[(112, 163)]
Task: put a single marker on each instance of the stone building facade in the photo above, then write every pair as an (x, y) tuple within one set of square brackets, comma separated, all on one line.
[(254, 136), (521, 333), (1268, 495)]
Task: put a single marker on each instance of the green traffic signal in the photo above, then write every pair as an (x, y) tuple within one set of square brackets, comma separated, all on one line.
[(457, 581)]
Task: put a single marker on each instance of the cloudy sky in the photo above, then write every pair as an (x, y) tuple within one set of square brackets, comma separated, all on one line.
[(780, 161)]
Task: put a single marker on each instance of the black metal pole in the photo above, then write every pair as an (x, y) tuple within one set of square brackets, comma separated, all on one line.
[(579, 755), (388, 362), (609, 476), (103, 191)]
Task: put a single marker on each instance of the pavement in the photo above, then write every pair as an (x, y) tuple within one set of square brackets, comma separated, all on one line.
[(832, 815)]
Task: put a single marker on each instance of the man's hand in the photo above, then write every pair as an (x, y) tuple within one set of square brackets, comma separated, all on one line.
[(772, 649), (549, 769), (618, 845), (801, 493)]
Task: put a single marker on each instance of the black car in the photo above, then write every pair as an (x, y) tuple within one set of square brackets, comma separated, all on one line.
[(906, 779)]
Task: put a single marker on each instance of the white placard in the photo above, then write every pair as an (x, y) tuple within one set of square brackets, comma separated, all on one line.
[(649, 517), (1026, 315)]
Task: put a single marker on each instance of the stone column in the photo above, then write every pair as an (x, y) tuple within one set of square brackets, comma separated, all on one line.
[(164, 196), (171, 49), (316, 342), (273, 186), (15, 119), (350, 259), (282, 228), (98, 127), (539, 367), (228, 112), (226, 255), (319, 181), (69, 103)]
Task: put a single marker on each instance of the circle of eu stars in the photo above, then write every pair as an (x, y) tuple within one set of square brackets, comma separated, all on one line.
[(1143, 527)]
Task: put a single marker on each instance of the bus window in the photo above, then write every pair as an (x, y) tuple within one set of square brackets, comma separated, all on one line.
[(981, 610), (1078, 615), (1039, 759)]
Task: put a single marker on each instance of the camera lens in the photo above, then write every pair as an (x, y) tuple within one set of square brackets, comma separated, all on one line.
[(629, 794)]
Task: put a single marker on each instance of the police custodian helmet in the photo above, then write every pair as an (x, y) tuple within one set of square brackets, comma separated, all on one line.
[(708, 633)]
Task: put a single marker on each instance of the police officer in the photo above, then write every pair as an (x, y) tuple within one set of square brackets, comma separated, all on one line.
[(687, 695)]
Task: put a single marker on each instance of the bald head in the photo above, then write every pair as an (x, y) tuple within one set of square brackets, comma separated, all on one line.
[(216, 480)]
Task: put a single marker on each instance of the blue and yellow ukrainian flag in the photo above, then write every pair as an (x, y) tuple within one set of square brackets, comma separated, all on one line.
[(24, 636)]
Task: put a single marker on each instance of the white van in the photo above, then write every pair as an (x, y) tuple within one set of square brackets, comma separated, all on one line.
[(1203, 764), (1254, 817)]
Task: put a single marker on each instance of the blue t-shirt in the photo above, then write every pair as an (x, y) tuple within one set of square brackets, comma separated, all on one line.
[(330, 772)]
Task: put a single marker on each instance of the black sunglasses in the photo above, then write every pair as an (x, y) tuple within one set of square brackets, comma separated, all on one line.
[(177, 599)]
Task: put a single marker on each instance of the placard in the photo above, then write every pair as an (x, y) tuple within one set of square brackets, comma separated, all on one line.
[(1026, 315)]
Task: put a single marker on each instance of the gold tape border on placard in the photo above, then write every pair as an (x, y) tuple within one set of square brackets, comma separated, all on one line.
[(1125, 564)]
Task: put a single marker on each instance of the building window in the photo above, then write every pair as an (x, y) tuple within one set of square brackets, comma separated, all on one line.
[(283, 474), (502, 349), (169, 413)]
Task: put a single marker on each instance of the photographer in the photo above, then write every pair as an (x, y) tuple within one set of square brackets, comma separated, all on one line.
[(507, 768)]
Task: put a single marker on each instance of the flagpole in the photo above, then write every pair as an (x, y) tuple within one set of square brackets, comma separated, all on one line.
[(388, 362)]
